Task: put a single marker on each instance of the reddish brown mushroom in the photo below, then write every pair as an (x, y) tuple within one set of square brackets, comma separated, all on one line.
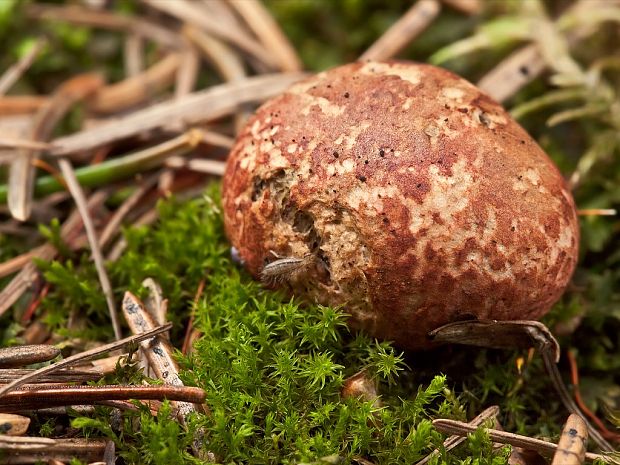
[(404, 194)]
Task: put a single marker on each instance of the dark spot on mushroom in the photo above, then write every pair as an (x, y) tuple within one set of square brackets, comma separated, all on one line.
[(512, 228), (484, 119), (346, 95), (362, 178), (524, 70), (418, 185), (445, 120), (522, 141), (335, 154), (382, 153), (463, 110), (386, 221), (365, 162)]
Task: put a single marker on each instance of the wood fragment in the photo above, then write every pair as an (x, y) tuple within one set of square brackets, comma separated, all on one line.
[(260, 21), (202, 106), (12, 75), (544, 447), (37, 396), (13, 425), (455, 440), (87, 355), (403, 31), (19, 356), (155, 303), (157, 352), (136, 89), (572, 445)]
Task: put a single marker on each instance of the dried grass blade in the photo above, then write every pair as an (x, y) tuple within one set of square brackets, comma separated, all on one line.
[(214, 167), (17, 143), (133, 54), (193, 13), (105, 20), (87, 355), (187, 74), (403, 31), (469, 7), (21, 171), (137, 89), (12, 75), (260, 21), (196, 107), (91, 233)]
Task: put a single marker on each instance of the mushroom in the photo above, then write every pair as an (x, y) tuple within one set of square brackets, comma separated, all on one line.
[(404, 194)]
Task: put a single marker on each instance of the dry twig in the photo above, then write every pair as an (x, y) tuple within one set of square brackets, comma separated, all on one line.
[(403, 31), (19, 356)]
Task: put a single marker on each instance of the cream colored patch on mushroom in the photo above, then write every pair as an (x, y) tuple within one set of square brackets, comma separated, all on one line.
[(447, 196), (406, 73), (453, 93), (445, 129), (277, 160), (292, 148), (340, 167), (408, 103), (326, 107), (370, 197)]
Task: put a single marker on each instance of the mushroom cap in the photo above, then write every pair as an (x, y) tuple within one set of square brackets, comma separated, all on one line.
[(421, 199)]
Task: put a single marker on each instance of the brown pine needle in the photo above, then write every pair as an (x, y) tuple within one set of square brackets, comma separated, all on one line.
[(87, 355), (33, 397), (597, 212), (455, 440), (403, 31), (17, 143), (12, 75), (137, 89)]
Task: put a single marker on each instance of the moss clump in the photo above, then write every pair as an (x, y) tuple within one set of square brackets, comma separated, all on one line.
[(273, 368)]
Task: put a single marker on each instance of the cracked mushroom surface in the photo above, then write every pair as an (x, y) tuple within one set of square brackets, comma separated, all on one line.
[(418, 199)]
